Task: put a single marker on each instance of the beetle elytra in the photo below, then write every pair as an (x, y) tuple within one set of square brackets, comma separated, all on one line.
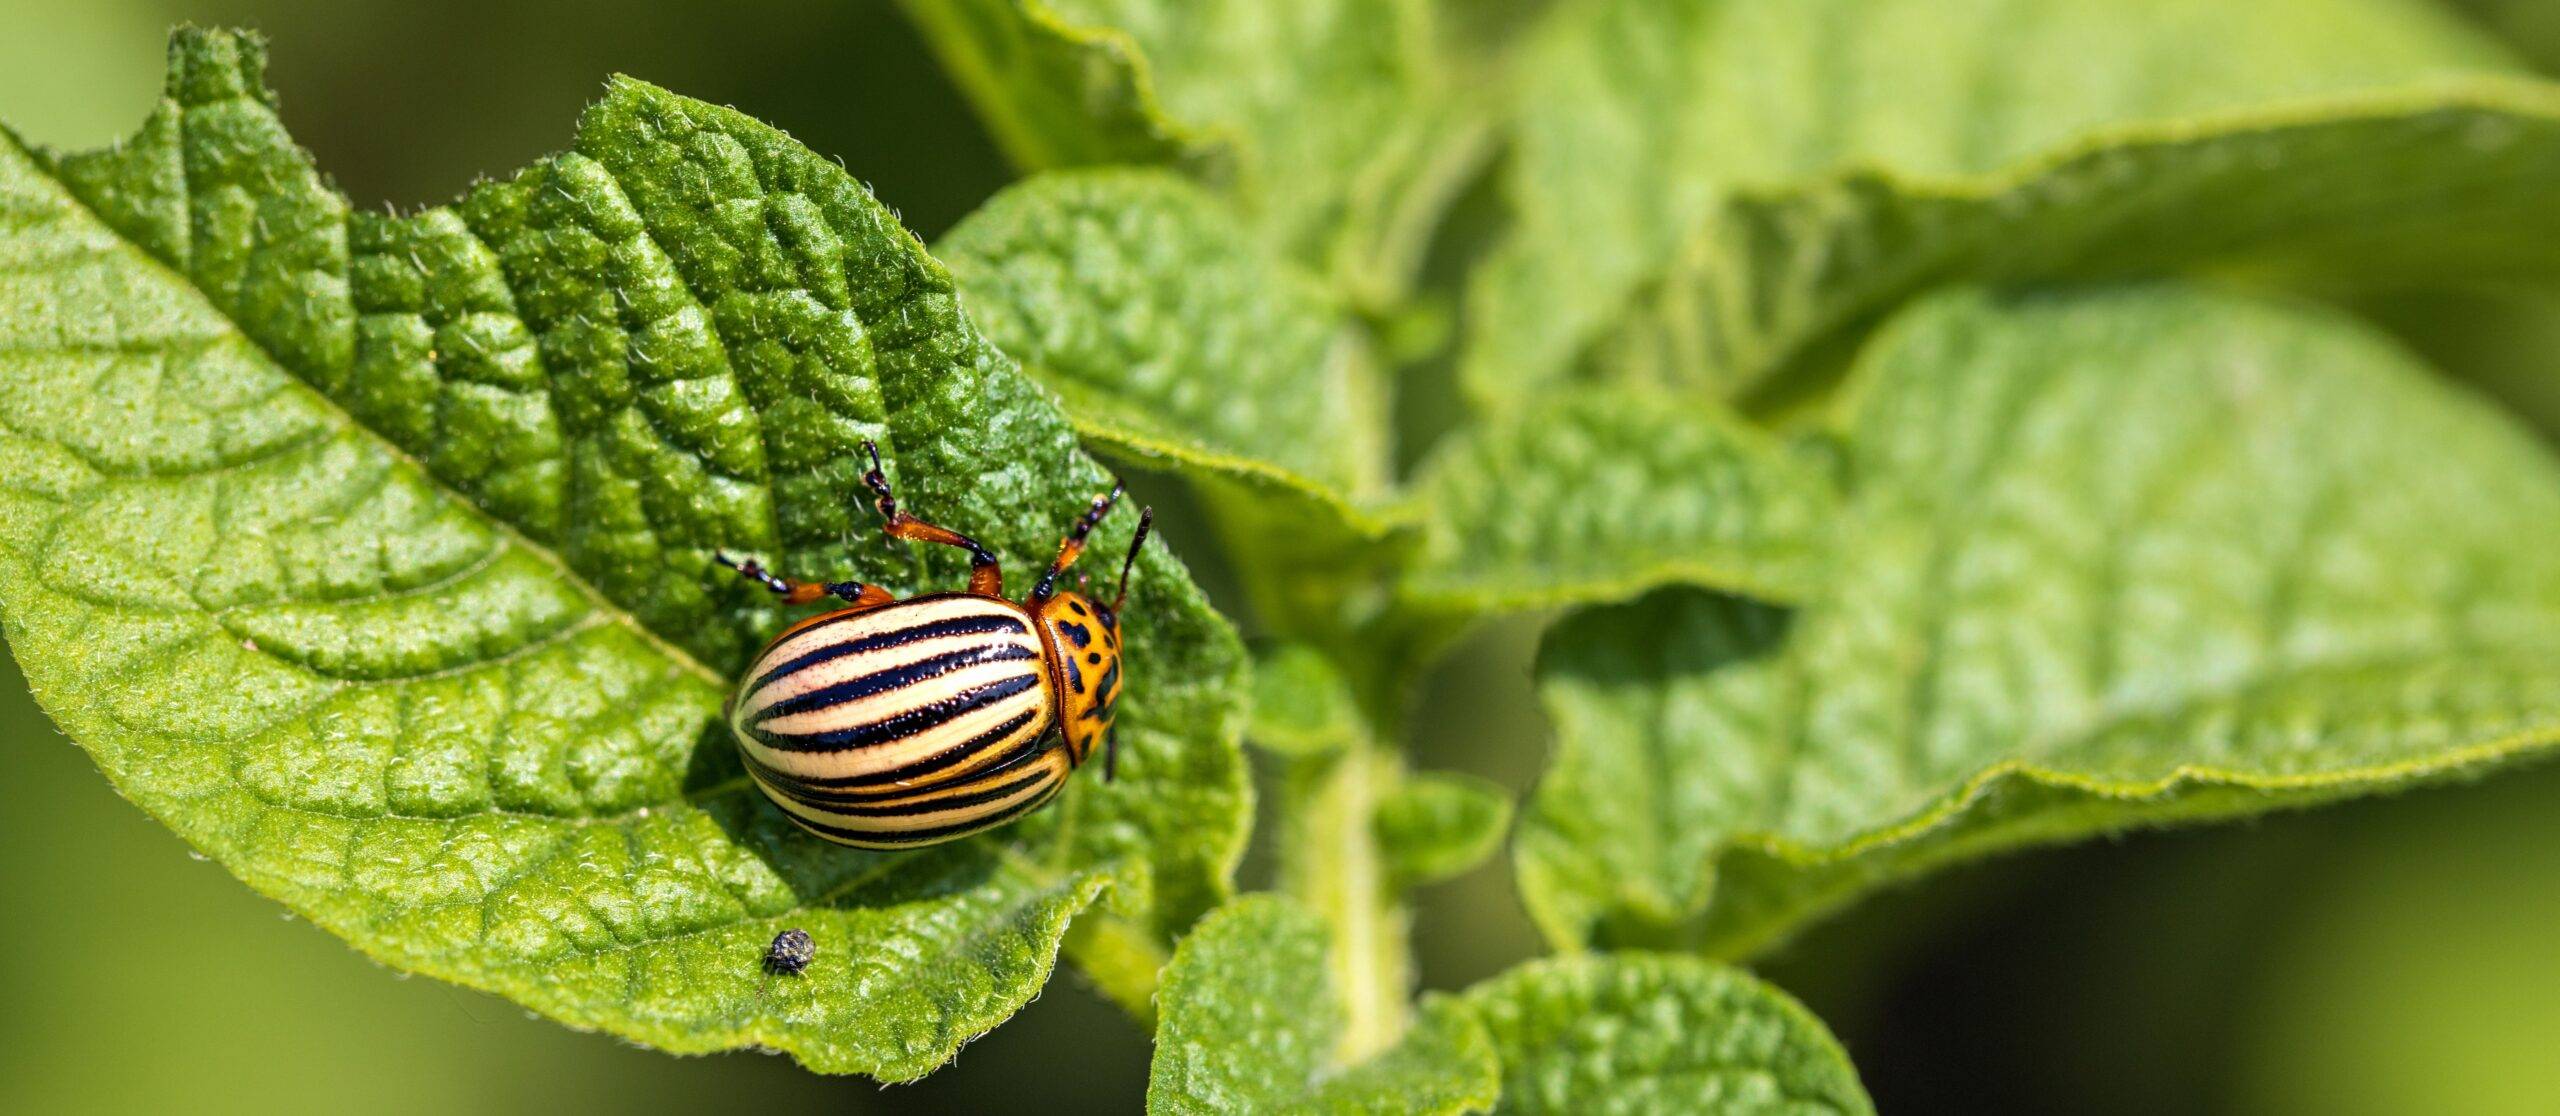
[(889, 724)]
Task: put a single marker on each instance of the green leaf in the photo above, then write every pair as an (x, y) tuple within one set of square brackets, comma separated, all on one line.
[(2387, 191), (1692, 195), (1301, 706), (1646, 1033), (1437, 825), (1608, 493), (1251, 1020), (1345, 126), (1059, 94), (2113, 557), (372, 555), (1176, 339)]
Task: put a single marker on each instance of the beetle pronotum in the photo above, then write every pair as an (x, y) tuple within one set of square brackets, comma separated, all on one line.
[(890, 723)]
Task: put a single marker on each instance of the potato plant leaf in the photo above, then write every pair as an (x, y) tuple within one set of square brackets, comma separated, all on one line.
[(1251, 1020), (1677, 173), (1302, 708), (1179, 340), (1607, 493), (1341, 127), (371, 553), (1436, 825), (1648, 1033), (1058, 93), (2108, 557), (2380, 192)]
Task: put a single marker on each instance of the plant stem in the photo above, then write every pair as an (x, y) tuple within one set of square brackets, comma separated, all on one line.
[(1330, 861)]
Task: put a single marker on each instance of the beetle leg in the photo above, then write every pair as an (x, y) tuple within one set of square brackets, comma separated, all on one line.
[(1072, 546), (802, 592), (986, 579)]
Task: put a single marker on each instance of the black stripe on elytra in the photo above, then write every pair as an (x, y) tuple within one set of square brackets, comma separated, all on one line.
[(927, 836), (882, 641), (848, 788), (904, 674), (897, 726), (946, 802)]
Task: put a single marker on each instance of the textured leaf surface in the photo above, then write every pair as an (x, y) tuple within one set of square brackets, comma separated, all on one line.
[(1301, 706), (2108, 558), (371, 554), (1607, 493), (1639, 1033), (1250, 1025), (1639, 121), (1176, 338), (2387, 191), (1058, 93), (1345, 127), (1436, 825)]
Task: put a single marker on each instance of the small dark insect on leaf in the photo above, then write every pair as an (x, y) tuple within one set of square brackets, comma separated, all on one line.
[(791, 951)]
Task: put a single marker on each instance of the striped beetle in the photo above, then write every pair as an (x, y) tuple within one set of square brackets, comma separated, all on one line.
[(890, 724)]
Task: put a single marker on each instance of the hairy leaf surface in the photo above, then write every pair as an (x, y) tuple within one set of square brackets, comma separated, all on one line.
[(1302, 708), (1178, 339), (1663, 154), (372, 554), (1060, 93), (1436, 825), (2391, 190), (1607, 493), (1343, 126), (2108, 558), (1646, 1033), (1251, 1022)]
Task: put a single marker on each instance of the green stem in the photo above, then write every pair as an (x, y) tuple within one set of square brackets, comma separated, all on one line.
[(1331, 862), (1327, 592)]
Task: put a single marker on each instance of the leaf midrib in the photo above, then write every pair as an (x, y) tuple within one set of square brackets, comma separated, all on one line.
[(507, 532)]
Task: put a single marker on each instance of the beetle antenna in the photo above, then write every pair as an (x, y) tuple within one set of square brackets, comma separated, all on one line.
[(1111, 755), (1072, 546), (1146, 519)]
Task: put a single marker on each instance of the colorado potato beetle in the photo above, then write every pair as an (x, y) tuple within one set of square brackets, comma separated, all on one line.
[(890, 724)]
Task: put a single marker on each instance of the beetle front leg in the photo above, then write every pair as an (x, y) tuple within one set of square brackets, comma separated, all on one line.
[(986, 578), (853, 593)]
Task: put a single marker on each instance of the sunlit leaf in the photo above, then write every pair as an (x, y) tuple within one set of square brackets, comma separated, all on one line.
[(1251, 1021), (1702, 190), (2108, 558), (1342, 127), (1643, 1033), (1608, 493), (372, 554)]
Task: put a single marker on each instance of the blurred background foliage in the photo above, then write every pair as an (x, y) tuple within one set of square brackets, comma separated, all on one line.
[(2386, 957)]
